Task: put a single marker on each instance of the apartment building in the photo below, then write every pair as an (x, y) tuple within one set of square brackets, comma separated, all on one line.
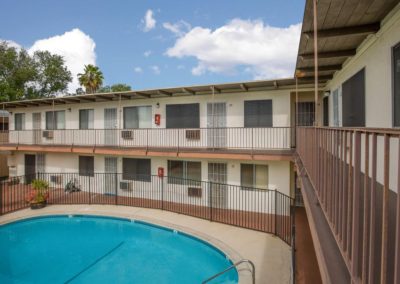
[(239, 134), (256, 135)]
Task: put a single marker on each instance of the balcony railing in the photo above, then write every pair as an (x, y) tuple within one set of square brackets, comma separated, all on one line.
[(258, 209), (175, 139), (355, 174)]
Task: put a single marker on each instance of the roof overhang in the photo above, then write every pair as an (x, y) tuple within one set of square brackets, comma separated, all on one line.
[(218, 89), (342, 26)]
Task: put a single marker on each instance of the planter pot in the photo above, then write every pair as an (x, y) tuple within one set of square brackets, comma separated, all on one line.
[(38, 205)]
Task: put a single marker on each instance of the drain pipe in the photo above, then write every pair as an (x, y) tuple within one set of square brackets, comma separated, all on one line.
[(315, 61)]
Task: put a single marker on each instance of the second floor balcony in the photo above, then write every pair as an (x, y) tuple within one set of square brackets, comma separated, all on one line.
[(227, 139)]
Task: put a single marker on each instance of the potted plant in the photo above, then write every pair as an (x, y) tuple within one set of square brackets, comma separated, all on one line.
[(37, 197)]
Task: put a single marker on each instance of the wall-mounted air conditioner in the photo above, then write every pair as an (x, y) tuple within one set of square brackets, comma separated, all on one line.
[(126, 185), (127, 134), (194, 192), (57, 179), (49, 134)]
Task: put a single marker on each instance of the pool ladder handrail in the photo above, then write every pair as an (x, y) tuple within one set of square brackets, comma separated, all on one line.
[(253, 271)]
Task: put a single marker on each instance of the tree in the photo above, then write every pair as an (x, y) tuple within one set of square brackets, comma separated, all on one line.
[(52, 76), (16, 71), (91, 78), (120, 88), (26, 77), (115, 88)]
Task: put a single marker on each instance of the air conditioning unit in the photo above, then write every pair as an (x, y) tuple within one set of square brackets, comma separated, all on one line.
[(126, 186), (127, 134), (57, 179), (49, 134), (193, 134), (194, 192)]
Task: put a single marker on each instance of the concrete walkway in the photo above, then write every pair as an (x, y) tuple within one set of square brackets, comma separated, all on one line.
[(271, 256)]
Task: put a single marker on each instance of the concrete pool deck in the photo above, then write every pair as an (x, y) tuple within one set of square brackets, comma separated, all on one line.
[(271, 256)]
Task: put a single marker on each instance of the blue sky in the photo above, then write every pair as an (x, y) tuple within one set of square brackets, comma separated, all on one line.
[(186, 42)]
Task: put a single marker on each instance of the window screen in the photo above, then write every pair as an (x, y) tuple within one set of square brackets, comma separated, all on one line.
[(136, 169), (19, 121), (396, 84), (306, 115), (86, 118), (56, 122), (86, 166), (254, 176), (258, 113), (179, 171), (137, 117), (353, 101), (183, 116), (335, 107)]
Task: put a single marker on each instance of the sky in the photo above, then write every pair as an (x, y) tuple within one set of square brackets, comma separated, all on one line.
[(158, 44)]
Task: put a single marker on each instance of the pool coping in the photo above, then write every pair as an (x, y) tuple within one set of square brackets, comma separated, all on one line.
[(244, 271)]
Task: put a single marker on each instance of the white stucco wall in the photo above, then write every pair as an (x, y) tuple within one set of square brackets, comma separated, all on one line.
[(375, 55), (278, 171), (234, 104)]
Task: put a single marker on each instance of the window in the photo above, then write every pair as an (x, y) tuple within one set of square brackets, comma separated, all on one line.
[(335, 107), (41, 163), (180, 170), (353, 101), (136, 169), (325, 102), (183, 116), (19, 121), (396, 84), (55, 120), (306, 115), (258, 113), (86, 117), (86, 166), (137, 117), (254, 176)]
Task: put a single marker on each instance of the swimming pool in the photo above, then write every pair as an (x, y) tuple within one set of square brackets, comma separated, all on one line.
[(94, 249)]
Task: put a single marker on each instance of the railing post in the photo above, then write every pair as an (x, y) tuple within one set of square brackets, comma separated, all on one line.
[(162, 193), (210, 197), (116, 188), (90, 196), (252, 141), (178, 141), (275, 209)]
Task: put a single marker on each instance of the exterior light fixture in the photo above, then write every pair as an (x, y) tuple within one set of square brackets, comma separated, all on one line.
[(158, 105)]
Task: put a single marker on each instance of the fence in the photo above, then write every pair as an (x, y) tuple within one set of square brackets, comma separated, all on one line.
[(258, 209), (356, 177), (199, 138)]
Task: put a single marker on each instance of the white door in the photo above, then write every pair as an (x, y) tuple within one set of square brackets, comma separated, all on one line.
[(216, 121), (217, 176), (111, 177), (110, 126)]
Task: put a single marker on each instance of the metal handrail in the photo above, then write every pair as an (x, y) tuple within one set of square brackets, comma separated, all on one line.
[(253, 271)]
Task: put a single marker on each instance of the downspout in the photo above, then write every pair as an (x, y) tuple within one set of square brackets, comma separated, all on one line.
[(212, 115), (316, 119)]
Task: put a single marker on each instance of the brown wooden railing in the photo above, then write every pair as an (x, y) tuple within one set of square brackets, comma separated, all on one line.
[(200, 138), (355, 174), (259, 209)]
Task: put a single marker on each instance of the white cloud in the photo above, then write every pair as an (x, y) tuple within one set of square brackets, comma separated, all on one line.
[(266, 52), (179, 28), (156, 70), (138, 70), (149, 21), (77, 48), (147, 53)]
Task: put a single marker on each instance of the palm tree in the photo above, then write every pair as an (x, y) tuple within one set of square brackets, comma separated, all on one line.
[(91, 79)]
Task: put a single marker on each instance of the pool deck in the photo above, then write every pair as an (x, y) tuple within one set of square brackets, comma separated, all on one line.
[(271, 256)]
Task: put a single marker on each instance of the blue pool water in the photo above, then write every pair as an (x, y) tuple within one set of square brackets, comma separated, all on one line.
[(92, 249)]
